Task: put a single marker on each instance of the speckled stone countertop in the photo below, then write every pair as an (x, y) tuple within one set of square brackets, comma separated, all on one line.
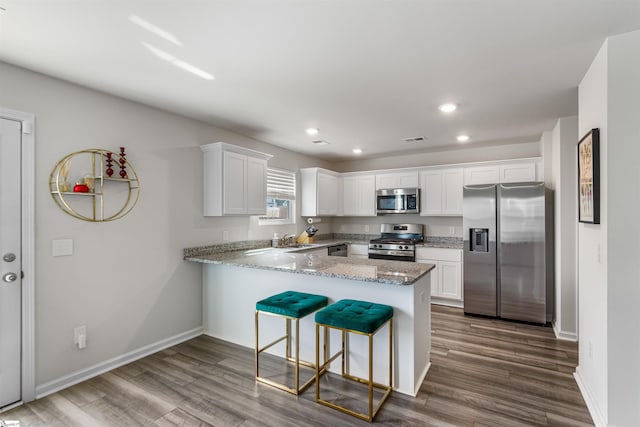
[(442, 242), (315, 261)]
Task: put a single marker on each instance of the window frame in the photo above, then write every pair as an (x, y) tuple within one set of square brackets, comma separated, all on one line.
[(263, 220)]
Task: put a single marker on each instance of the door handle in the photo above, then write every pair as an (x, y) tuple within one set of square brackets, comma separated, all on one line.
[(9, 257), (10, 277)]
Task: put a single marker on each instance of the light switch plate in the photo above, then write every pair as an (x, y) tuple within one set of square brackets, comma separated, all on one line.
[(63, 247)]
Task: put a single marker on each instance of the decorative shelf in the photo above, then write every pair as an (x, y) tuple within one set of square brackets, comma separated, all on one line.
[(110, 198)]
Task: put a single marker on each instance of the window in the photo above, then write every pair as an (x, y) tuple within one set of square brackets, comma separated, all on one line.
[(281, 197)]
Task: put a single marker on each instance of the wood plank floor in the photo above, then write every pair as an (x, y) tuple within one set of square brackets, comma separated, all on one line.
[(484, 372)]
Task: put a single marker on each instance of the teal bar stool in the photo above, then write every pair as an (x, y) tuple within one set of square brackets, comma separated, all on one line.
[(359, 317), (289, 305)]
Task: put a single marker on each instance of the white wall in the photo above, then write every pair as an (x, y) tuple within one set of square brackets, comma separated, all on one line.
[(609, 285), (592, 253), (623, 233), (563, 172), (126, 280)]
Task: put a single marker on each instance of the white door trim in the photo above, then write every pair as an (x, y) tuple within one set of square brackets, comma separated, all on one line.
[(28, 248)]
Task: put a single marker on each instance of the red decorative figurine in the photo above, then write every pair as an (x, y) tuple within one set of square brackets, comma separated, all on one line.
[(109, 164), (123, 162)]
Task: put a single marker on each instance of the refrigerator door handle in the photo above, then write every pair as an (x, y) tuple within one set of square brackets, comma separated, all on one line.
[(480, 187), (535, 185)]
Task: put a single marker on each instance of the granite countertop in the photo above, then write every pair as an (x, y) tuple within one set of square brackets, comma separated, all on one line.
[(316, 262), (437, 242)]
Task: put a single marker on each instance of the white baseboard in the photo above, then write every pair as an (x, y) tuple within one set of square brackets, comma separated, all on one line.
[(447, 302), (421, 380), (562, 335), (61, 383), (587, 395)]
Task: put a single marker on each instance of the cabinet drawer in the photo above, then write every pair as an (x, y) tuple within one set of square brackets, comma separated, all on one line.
[(440, 254), (359, 249)]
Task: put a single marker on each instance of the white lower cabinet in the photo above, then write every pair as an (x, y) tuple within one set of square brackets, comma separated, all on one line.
[(359, 250), (446, 278)]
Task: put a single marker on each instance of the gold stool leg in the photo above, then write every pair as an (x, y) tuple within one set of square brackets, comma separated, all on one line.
[(370, 377), (257, 347)]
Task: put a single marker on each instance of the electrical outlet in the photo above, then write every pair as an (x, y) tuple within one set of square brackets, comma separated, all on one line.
[(80, 336), (225, 235), (452, 230), (366, 228)]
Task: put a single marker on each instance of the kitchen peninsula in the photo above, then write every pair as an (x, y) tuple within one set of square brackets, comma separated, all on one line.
[(234, 280)]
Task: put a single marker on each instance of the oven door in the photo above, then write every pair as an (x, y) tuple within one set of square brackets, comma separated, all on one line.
[(392, 255)]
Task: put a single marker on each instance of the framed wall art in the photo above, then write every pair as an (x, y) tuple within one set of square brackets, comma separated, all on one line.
[(589, 178)]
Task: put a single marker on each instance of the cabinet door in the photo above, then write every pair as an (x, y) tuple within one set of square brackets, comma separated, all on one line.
[(435, 273), (518, 172), (327, 194), (450, 280), (350, 205), (431, 195), (397, 180), (235, 184), (367, 195), (388, 180), (452, 192), (481, 175), (407, 180), (256, 186)]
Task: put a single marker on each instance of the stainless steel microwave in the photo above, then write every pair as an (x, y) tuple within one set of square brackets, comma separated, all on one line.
[(398, 200)]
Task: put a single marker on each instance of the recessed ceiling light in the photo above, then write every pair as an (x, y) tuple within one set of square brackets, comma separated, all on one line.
[(462, 138), (312, 131), (448, 107), (357, 151)]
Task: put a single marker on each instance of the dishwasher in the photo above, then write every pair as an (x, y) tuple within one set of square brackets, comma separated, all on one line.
[(337, 250)]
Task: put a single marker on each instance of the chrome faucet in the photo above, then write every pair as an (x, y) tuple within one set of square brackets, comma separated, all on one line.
[(287, 239)]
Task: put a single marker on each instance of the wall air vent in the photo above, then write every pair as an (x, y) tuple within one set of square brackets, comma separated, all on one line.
[(320, 142), (414, 139)]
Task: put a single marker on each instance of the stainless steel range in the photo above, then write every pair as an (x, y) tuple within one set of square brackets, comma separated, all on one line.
[(396, 242)]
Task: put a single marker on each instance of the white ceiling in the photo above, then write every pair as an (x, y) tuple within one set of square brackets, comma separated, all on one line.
[(367, 73)]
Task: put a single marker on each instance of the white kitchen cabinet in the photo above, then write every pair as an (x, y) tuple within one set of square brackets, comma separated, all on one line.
[(518, 172), (234, 180), (319, 192), (481, 175), (503, 172), (359, 250), (359, 195), (405, 179), (441, 192), (446, 278)]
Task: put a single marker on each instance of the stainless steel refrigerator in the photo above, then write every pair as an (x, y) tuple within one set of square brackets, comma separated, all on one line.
[(508, 251)]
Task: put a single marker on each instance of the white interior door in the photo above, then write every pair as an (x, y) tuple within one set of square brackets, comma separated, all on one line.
[(11, 262)]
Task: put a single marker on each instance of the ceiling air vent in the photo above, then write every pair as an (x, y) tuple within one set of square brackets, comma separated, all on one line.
[(414, 139), (320, 142)]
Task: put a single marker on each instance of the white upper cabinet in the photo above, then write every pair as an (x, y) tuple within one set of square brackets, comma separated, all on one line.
[(510, 171), (319, 192), (441, 192), (234, 180), (405, 179), (359, 195)]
